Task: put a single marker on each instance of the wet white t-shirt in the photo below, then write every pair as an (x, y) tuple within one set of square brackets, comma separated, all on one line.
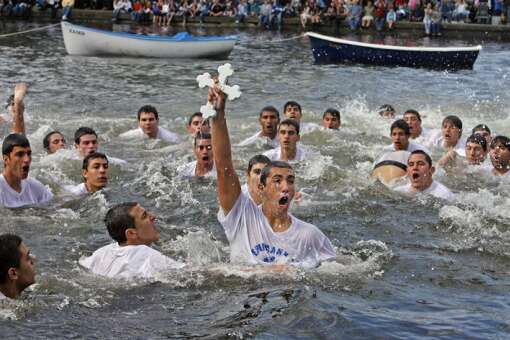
[(188, 170), (246, 190), (127, 262), (436, 189), (77, 190), (410, 147), (163, 134), (437, 140), (32, 192), (276, 154), (426, 135), (257, 138), (253, 241)]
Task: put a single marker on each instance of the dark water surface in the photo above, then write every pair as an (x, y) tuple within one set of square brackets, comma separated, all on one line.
[(406, 268)]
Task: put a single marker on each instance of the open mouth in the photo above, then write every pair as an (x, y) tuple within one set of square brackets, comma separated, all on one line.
[(205, 158), (415, 176), (25, 168), (103, 179), (284, 200)]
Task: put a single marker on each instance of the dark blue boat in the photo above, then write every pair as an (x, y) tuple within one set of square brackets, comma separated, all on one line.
[(329, 50)]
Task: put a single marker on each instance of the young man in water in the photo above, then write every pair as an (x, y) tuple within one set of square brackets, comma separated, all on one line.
[(449, 138), (265, 234), (387, 111), (331, 119), (197, 123), (400, 134), (148, 126), (86, 143), (17, 266), (252, 186), (203, 165), (54, 141), (476, 153), (292, 110), (133, 230), (269, 117), (95, 175), (418, 132), (288, 136), (16, 188), (484, 131), (419, 172), (500, 156)]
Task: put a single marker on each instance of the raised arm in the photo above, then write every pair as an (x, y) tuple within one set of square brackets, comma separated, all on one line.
[(229, 187), (18, 108)]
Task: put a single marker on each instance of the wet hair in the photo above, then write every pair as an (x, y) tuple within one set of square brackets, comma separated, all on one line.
[(385, 107), (476, 138), (267, 169), (82, 131), (13, 140), (333, 112), (421, 152), (413, 112), (291, 103), (256, 160), (10, 255), (148, 109), (290, 122), (270, 108), (453, 120), (400, 124), (46, 139), (118, 220), (91, 157), (196, 114), (201, 135), (481, 127), (501, 140)]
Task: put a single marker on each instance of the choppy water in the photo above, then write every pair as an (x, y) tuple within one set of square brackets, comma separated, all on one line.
[(406, 269)]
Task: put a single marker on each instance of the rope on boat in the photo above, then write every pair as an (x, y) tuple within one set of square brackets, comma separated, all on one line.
[(28, 31), (281, 40)]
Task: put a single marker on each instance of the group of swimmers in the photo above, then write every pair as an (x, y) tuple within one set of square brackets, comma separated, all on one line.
[(254, 216)]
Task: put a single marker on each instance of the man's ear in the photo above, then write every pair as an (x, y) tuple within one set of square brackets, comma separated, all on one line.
[(84, 173), (12, 273), (130, 234), (432, 170)]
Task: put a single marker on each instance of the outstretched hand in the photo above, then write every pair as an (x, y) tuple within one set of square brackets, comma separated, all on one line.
[(20, 90), (217, 98)]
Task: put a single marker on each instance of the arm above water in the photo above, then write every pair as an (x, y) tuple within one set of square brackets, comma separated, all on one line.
[(18, 109)]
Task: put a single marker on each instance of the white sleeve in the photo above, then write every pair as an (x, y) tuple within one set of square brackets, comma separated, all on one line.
[(242, 214)]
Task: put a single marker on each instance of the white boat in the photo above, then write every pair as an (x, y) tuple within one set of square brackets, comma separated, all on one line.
[(85, 41)]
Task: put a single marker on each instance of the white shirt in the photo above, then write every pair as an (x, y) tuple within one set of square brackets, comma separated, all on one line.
[(253, 241), (2, 296), (77, 190), (32, 192), (188, 170), (163, 134), (246, 190), (426, 135), (127, 262), (257, 138), (410, 147), (276, 154), (437, 140), (436, 189)]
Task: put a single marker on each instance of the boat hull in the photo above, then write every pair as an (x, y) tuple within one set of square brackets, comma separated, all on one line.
[(328, 50), (85, 41)]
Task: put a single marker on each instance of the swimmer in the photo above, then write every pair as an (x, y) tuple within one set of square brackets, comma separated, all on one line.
[(387, 111), (269, 117), (450, 136), (95, 175), (196, 124), (419, 172), (17, 266), (86, 143), (391, 167), (133, 230), (476, 154), (484, 131), (265, 234), (418, 132), (16, 188), (400, 133), (288, 136), (292, 110), (331, 119), (251, 188), (148, 126), (500, 156), (54, 141), (203, 165)]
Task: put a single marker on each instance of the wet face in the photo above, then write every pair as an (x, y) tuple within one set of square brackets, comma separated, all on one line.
[(288, 136), (486, 135), (451, 134), (500, 156), (414, 124), (475, 153), (279, 190), (330, 121), (149, 124), (203, 152), (88, 144), (388, 114), (399, 139), (293, 112), (56, 142), (268, 122), (145, 226), (198, 124), (419, 172), (96, 174), (254, 176), (17, 163), (25, 274)]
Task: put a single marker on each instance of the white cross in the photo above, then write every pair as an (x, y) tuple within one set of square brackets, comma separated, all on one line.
[(232, 92)]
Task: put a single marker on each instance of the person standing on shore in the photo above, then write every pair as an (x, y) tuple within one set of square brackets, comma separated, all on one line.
[(67, 8)]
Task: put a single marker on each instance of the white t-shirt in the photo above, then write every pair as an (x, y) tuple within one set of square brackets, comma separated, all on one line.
[(163, 134), (436, 189), (437, 140), (410, 147), (32, 192), (260, 139), (276, 154), (188, 170), (2, 296), (246, 191), (77, 190), (253, 241), (127, 262), (426, 135)]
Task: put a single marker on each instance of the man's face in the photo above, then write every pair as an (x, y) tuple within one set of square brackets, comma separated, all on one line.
[(475, 153), (203, 151), (451, 134), (96, 174), (419, 172), (486, 135), (330, 121), (56, 142), (293, 112), (268, 122), (288, 136), (279, 190), (145, 225), (254, 176), (88, 144), (198, 124), (500, 156), (18, 161), (26, 270), (399, 139), (388, 114), (414, 124), (149, 124)]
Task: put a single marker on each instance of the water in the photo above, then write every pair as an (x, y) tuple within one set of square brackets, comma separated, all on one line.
[(406, 268)]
